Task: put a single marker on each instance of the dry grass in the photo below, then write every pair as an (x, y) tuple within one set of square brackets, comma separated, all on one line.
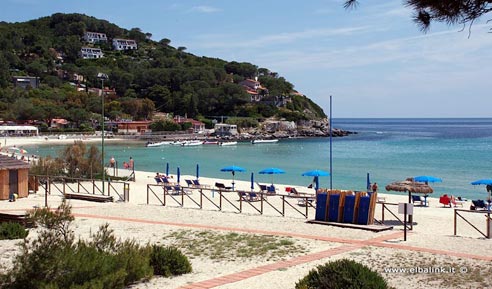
[(232, 246)]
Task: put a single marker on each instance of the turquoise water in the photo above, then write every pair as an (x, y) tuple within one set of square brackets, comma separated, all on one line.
[(457, 150)]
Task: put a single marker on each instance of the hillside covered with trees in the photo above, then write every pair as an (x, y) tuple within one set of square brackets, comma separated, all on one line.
[(155, 77)]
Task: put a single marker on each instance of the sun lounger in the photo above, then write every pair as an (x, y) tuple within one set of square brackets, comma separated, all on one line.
[(222, 187), (304, 199), (418, 199), (478, 204), (189, 183), (249, 196), (196, 184)]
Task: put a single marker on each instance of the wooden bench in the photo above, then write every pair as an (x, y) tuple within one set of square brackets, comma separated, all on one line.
[(22, 219), (89, 197)]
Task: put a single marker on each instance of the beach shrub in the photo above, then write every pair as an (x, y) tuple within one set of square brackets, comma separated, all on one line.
[(11, 231), (342, 274), (54, 259), (168, 261)]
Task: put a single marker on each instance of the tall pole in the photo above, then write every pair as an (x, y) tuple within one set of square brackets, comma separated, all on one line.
[(102, 133), (331, 150)]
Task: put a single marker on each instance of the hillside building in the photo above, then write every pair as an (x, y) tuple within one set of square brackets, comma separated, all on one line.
[(25, 82), (91, 53), (95, 37), (124, 44)]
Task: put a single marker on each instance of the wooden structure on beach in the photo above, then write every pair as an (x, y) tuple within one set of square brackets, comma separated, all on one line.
[(13, 177)]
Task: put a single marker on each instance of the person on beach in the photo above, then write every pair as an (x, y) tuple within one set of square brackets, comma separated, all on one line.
[(375, 187), (125, 165), (112, 162), (130, 164)]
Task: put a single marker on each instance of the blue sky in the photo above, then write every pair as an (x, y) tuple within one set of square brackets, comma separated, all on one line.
[(373, 60)]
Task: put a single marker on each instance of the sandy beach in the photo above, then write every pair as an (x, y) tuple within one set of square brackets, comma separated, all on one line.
[(464, 258)]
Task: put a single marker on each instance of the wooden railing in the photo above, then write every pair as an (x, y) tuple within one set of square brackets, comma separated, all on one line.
[(228, 200)]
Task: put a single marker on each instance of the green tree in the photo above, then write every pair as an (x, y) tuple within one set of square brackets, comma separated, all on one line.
[(448, 11)]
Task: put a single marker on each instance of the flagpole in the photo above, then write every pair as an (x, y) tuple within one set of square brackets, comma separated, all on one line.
[(331, 150)]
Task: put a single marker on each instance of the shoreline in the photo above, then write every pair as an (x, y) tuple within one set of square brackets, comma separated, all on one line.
[(431, 243)]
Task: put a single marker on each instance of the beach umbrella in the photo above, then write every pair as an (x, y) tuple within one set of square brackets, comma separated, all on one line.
[(233, 170), (316, 174), (410, 187), (271, 171), (427, 179), (197, 171), (179, 174), (167, 169), (487, 182)]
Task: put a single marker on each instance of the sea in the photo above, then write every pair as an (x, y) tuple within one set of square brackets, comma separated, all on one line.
[(457, 150)]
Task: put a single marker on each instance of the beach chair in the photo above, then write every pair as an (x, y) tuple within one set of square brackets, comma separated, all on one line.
[(478, 204), (445, 200), (170, 190), (271, 190), (249, 196), (196, 184), (222, 187), (418, 199), (303, 199), (189, 183), (263, 188)]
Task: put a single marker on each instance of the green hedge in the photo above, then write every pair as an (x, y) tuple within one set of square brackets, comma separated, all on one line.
[(12, 231), (342, 274)]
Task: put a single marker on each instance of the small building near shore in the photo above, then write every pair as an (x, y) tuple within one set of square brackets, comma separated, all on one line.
[(132, 127), (13, 177), (224, 129)]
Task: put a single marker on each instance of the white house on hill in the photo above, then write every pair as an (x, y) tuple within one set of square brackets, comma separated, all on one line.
[(95, 37), (91, 53), (124, 44)]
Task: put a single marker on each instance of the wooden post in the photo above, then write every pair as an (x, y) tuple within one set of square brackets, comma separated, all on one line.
[(488, 224), (220, 200), (455, 221), (307, 206), (261, 203), (201, 198), (405, 223)]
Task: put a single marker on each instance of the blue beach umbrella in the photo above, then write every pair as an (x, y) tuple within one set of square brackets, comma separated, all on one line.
[(427, 179), (167, 169), (316, 174), (197, 171), (482, 182), (233, 170), (271, 171), (179, 174), (487, 182)]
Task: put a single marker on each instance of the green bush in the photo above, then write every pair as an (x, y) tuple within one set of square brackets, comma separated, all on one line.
[(12, 231), (342, 274), (168, 261), (54, 259)]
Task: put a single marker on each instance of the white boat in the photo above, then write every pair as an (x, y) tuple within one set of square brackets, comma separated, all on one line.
[(158, 144), (177, 142), (228, 143), (257, 141), (192, 143), (210, 142)]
